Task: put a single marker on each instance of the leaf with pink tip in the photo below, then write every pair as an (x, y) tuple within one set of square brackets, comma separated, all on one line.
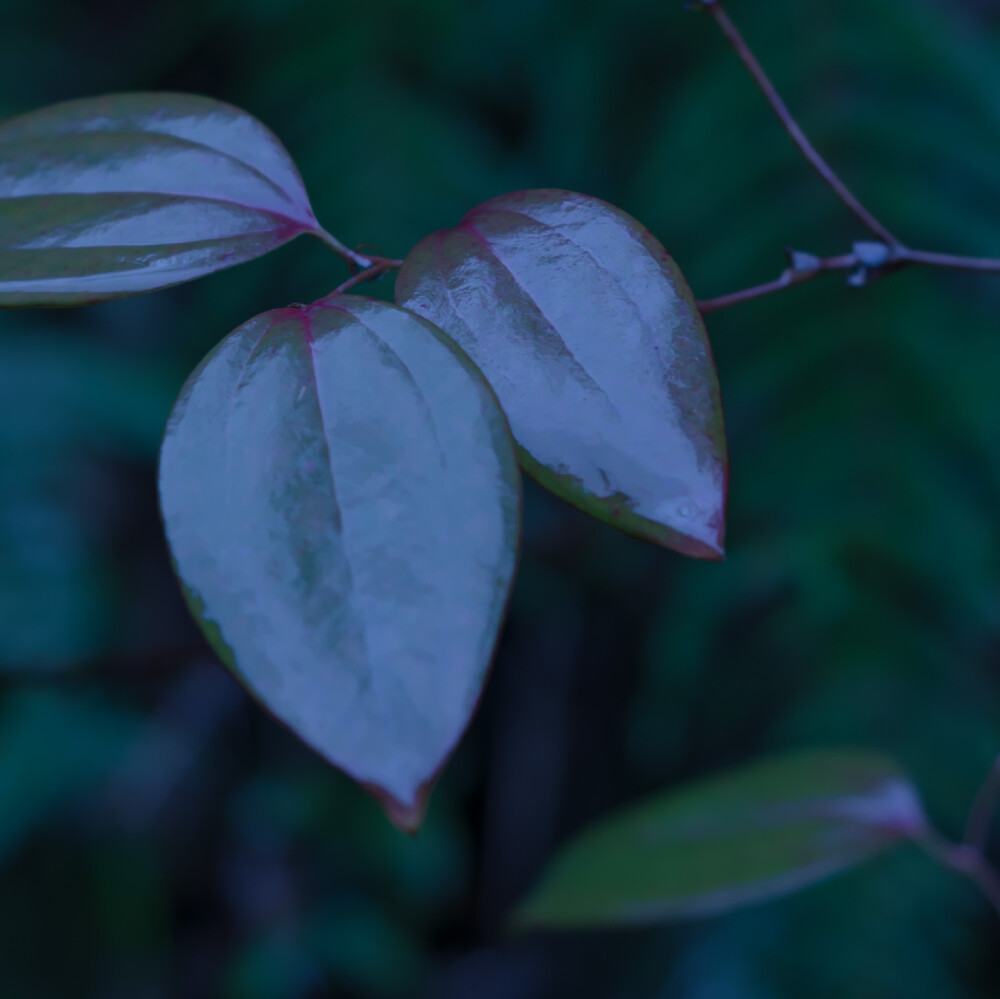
[(342, 501), (589, 334)]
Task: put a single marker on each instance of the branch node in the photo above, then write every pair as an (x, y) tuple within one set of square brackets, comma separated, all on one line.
[(872, 253), (871, 258), (801, 262)]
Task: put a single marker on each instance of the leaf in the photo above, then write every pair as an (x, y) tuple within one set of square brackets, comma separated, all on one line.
[(341, 497), (112, 196), (591, 339), (759, 832)]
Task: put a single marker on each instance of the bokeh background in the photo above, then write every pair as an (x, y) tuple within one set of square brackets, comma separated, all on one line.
[(161, 837)]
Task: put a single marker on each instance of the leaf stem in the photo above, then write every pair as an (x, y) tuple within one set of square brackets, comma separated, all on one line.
[(964, 859), (984, 808), (378, 266), (357, 259), (791, 126)]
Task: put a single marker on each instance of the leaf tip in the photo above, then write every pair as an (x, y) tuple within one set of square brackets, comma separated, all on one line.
[(406, 816), (694, 526), (714, 551), (707, 546)]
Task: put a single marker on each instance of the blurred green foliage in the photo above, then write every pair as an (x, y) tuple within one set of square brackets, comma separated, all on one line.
[(160, 836)]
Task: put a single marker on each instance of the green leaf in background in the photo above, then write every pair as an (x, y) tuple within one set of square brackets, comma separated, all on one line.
[(763, 831), (341, 496), (112, 196), (589, 334), (52, 745), (69, 410)]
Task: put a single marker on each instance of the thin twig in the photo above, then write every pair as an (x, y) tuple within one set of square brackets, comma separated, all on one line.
[(929, 259), (965, 860), (895, 258), (984, 808), (861, 268), (789, 277), (792, 127)]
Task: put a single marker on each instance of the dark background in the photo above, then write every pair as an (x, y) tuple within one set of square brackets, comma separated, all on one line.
[(160, 836)]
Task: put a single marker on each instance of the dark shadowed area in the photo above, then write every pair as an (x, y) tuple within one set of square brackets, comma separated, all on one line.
[(161, 836)]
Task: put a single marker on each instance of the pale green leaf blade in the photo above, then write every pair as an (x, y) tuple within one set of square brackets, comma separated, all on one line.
[(590, 336), (342, 501), (111, 196), (756, 833)]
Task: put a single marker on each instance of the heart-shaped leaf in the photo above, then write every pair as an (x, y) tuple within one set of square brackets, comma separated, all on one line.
[(591, 339), (111, 196), (341, 496), (759, 832)]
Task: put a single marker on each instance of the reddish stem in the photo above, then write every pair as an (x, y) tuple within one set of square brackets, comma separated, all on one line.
[(965, 860), (789, 277), (984, 808), (378, 267), (897, 255)]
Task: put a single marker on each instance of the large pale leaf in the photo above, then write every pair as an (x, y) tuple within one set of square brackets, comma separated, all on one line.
[(759, 832), (590, 337), (341, 497), (116, 195)]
